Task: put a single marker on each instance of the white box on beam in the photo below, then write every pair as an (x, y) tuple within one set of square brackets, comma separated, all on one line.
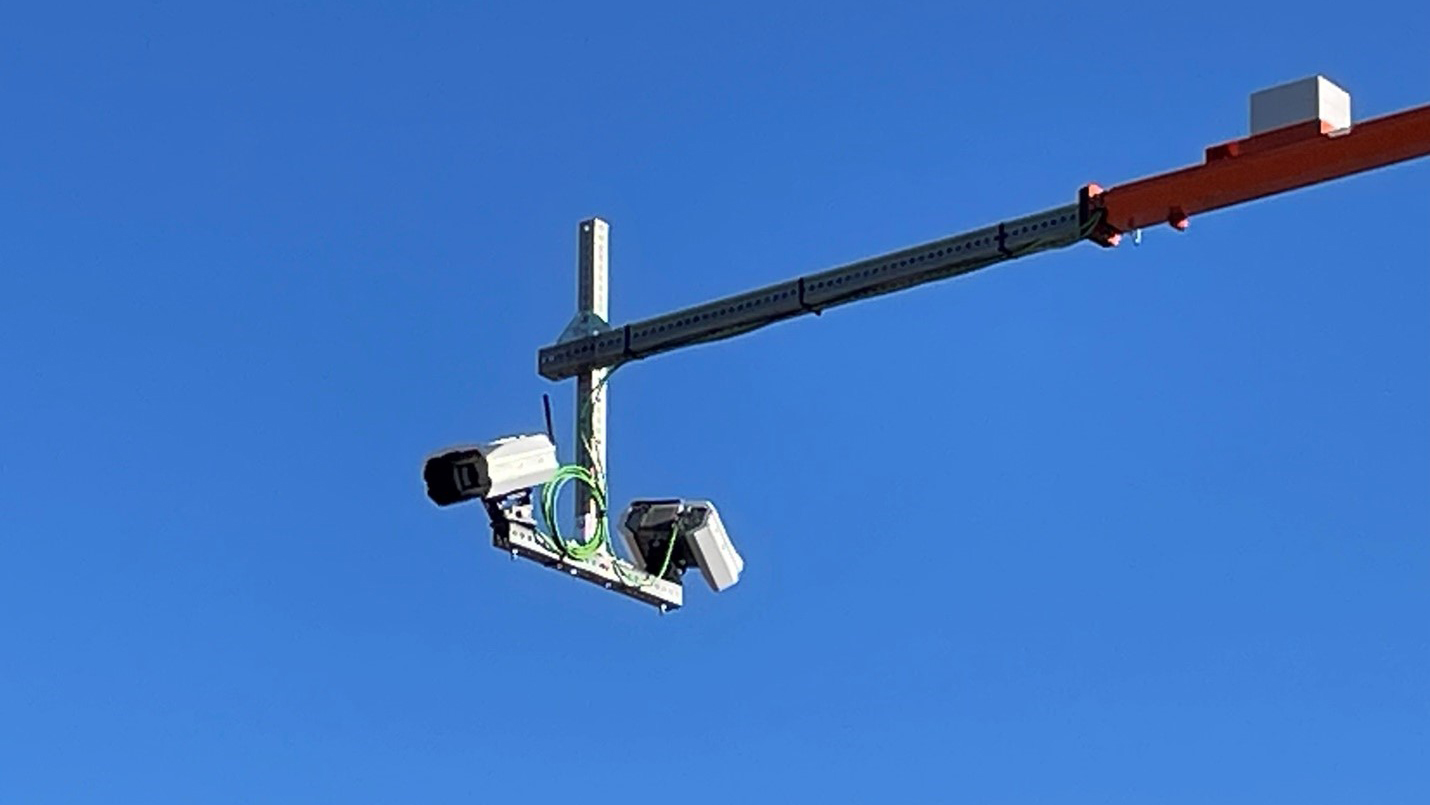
[(1314, 98)]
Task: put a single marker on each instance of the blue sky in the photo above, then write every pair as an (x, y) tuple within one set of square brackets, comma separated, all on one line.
[(1139, 525)]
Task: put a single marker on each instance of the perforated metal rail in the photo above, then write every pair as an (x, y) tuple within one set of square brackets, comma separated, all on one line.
[(875, 276)]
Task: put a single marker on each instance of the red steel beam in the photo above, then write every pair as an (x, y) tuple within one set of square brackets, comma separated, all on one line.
[(1269, 163)]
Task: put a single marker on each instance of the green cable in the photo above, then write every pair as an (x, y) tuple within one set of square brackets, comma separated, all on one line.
[(575, 548), (1093, 222), (669, 550), (592, 479), (585, 411), (664, 566)]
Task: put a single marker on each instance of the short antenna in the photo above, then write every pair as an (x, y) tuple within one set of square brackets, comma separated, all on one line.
[(550, 430)]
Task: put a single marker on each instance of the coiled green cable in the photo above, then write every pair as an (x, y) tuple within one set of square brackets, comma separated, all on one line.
[(575, 548)]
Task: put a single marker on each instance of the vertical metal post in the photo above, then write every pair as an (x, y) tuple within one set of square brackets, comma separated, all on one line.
[(592, 305)]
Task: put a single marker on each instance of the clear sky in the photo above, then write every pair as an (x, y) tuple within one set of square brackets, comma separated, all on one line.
[(1146, 525)]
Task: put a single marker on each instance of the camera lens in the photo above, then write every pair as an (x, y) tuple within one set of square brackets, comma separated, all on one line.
[(454, 477)]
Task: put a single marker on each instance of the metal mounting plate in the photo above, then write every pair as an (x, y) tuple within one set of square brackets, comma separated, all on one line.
[(514, 532), (584, 324)]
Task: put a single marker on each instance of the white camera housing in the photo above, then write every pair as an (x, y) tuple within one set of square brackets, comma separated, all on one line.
[(719, 562), (491, 470), (700, 536)]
